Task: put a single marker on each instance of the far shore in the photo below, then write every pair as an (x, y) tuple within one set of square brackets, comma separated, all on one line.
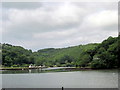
[(68, 68), (19, 68)]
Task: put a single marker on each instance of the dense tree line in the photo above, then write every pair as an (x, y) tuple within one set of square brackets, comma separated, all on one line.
[(106, 54), (16, 56), (102, 55)]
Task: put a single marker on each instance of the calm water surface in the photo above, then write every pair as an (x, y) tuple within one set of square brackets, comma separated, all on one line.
[(76, 79)]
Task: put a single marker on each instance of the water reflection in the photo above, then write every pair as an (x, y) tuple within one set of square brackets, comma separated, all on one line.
[(43, 70), (29, 71)]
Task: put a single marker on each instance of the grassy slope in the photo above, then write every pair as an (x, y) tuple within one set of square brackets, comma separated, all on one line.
[(75, 51)]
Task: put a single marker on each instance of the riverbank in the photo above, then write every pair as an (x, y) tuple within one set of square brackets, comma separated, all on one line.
[(20, 68), (46, 68), (87, 68)]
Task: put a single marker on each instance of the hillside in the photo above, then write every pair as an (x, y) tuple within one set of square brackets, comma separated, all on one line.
[(102, 55), (64, 56)]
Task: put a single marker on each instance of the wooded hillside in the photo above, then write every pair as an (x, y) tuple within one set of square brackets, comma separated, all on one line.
[(102, 55)]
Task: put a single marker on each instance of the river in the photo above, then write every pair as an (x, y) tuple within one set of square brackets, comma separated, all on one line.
[(72, 79)]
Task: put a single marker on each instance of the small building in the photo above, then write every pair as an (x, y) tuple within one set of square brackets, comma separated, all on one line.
[(40, 66), (30, 66)]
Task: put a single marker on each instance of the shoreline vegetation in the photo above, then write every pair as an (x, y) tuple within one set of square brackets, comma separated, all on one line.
[(102, 55), (66, 68)]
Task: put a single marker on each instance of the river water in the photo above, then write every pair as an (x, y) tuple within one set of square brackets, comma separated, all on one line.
[(73, 79)]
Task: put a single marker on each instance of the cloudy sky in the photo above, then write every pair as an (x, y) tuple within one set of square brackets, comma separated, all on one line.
[(57, 24)]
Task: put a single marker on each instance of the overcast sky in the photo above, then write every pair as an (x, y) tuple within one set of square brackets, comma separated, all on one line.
[(58, 24)]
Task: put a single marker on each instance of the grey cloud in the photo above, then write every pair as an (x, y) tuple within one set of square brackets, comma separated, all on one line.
[(98, 5), (40, 20), (59, 24), (21, 5)]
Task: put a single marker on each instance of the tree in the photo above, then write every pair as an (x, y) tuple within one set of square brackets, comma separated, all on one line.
[(84, 60)]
